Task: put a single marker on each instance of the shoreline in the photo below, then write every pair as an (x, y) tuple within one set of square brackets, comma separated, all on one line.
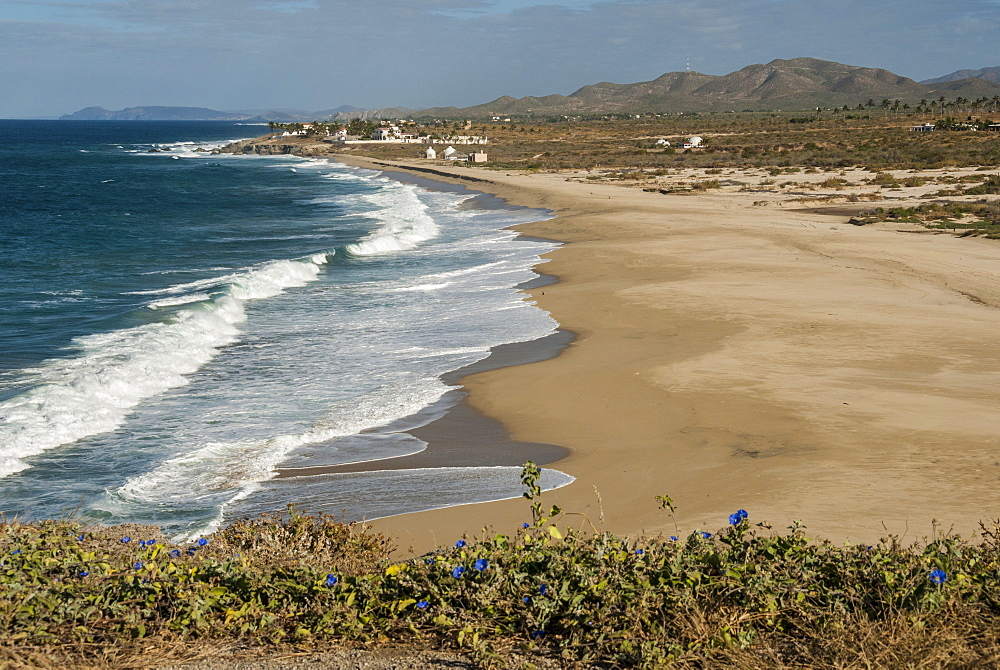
[(458, 435), (738, 353)]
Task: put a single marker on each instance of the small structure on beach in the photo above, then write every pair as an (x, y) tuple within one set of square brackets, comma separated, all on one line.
[(477, 157), (430, 153)]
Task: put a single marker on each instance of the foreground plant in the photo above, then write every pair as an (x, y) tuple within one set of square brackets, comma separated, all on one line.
[(583, 597)]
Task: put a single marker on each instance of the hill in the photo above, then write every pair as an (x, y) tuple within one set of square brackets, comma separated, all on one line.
[(991, 74), (799, 83)]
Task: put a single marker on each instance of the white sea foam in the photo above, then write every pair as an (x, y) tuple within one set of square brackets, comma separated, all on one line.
[(223, 473), (74, 398), (404, 218)]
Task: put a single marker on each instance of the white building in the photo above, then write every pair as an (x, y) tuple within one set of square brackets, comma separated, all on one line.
[(430, 153)]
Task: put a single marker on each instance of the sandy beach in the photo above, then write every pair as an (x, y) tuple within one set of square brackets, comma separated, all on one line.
[(734, 352)]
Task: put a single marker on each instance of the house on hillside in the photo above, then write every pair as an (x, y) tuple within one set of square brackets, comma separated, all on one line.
[(995, 127), (430, 153), (922, 128), (477, 157)]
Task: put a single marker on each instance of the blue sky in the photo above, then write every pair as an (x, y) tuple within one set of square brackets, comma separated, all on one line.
[(59, 56)]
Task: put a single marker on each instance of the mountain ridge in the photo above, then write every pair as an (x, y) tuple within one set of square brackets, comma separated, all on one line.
[(793, 84)]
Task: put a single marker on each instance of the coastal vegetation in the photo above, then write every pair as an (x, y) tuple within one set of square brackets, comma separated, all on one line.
[(556, 591), (824, 141)]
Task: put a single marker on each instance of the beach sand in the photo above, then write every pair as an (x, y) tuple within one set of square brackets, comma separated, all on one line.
[(734, 352)]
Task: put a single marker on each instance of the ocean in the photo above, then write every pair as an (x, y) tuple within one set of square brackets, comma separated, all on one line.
[(175, 325)]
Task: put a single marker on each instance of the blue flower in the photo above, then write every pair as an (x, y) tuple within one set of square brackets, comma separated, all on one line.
[(639, 552), (938, 576), (458, 572), (543, 589), (150, 543), (202, 541), (423, 604), (15, 552), (429, 561), (175, 553), (527, 600), (734, 519), (743, 513), (538, 635), (331, 579), (142, 543), (191, 551), (138, 565), (706, 535), (83, 573), (126, 539), (673, 538), (481, 564), (525, 525), (460, 544), (81, 538)]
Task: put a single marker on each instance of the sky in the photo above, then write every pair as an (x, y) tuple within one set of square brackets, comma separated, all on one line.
[(59, 56)]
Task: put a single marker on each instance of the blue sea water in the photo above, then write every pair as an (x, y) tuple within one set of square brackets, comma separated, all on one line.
[(176, 324)]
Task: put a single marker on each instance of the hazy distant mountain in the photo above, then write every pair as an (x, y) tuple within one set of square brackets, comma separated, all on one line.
[(991, 74), (800, 83), (155, 113)]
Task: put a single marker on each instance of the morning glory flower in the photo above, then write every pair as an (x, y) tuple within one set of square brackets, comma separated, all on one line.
[(706, 535), (423, 604), (527, 600), (126, 539), (150, 543), (80, 538), (639, 552), (460, 544), (673, 538), (538, 635), (938, 576), (481, 564), (142, 543), (543, 589), (15, 552), (458, 572), (175, 553), (525, 525), (83, 573), (191, 551), (331, 579), (743, 513), (734, 519), (138, 565), (202, 541), (429, 561)]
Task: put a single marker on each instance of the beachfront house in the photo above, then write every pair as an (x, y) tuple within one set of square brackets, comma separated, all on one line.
[(477, 157), (452, 154), (385, 133), (430, 153)]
